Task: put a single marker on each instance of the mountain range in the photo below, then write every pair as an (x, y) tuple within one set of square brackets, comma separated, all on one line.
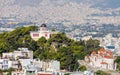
[(66, 11)]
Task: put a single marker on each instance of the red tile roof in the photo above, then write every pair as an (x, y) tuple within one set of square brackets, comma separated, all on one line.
[(108, 57), (109, 52), (103, 63)]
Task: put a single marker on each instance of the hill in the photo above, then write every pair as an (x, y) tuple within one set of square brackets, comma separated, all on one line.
[(58, 47)]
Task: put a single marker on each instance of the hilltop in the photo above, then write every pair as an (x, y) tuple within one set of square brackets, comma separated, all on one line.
[(58, 47)]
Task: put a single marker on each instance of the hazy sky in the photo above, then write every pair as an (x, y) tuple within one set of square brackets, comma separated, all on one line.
[(95, 3)]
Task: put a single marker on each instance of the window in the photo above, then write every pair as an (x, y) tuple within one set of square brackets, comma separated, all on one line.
[(45, 35), (36, 35)]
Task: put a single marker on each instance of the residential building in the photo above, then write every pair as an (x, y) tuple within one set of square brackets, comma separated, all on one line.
[(22, 62), (54, 65), (30, 70), (5, 64), (25, 62), (20, 53), (8, 63), (17, 73)]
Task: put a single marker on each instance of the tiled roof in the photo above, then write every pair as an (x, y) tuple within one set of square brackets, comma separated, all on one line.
[(109, 52), (103, 63), (108, 57)]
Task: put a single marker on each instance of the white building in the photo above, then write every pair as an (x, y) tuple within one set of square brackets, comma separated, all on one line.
[(8, 55), (54, 65), (43, 32), (30, 70), (103, 59), (20, 53), (25, 62), (17, 73), (5, 64)]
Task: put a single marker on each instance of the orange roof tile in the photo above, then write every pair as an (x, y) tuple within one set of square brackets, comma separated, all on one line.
[(110, 53), (101, 54), (103, 63), (108, 57)]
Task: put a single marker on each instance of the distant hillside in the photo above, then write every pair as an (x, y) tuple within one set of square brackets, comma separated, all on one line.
[(48, 11)]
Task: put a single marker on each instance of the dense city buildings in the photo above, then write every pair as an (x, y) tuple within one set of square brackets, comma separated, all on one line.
[(22, 62)]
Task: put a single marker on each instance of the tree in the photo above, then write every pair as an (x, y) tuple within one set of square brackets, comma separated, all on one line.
[(99, 72), (78, 52), (65, 57), (1, 72), (67, 74), (118, 62), (82, 68), (91, 45), (53, 29), (33, 45), (41, 42), (58, 47)]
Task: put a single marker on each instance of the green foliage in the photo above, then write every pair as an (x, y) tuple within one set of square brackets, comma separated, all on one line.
[(66, 54), (91, 44), (53, 29), (118, 59), (78, 52), (1, 71), (99, 72), (8, 70), (82, 68), (58, 47), (118, 62), (20, 37), (67, 74), (42, 40)]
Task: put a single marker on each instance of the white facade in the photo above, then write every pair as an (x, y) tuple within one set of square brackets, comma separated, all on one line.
[(36, 35), (25, 64), (43, 32), (8, 55), (5, 64), (104, 60), (18, 73), (54, 66), (21, 53)]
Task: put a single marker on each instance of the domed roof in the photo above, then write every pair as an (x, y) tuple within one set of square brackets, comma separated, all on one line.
[(43, 25)]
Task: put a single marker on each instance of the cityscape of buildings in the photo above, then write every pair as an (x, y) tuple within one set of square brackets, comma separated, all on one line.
[(79, 19), (22, 62)]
